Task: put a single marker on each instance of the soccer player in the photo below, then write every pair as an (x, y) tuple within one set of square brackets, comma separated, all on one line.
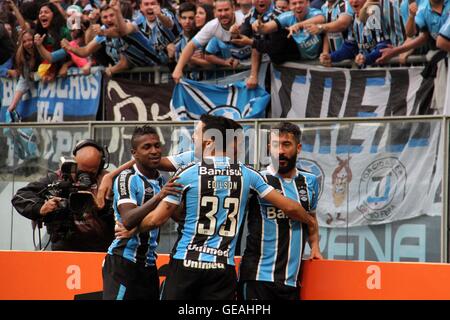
[(271, 262), (214, 197), (129, 270)]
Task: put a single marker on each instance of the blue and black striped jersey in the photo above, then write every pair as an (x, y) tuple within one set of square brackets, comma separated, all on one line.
[(156, 31), (371, 32), (338, 8), (139, 50), (131, 186), (395, 15), (215, 195), (180, 43), (275, 243)]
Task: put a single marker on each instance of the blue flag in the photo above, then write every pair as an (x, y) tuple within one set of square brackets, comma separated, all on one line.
[(191, 99), (72, 98)]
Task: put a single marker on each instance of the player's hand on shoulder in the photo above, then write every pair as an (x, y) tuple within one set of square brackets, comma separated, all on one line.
[(170, 188)]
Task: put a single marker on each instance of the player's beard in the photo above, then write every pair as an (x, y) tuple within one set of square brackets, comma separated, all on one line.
[(290, 163)]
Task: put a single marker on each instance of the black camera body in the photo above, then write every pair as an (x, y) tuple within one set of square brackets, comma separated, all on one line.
[(74, 189)]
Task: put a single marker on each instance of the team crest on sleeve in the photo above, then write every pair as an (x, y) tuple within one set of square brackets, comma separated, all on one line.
[(148, 193), (382, 188)]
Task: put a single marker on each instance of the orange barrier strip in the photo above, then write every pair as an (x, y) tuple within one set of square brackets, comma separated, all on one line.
[(62, 275), (49, 275), (363, 280)]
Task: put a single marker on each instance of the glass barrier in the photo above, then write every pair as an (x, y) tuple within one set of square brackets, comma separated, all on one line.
[(27, 154), (380, 187), (380, 181)]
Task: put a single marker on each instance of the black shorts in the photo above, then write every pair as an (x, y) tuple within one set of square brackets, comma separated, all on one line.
[(125, 280), (187, 283), (264, 290)]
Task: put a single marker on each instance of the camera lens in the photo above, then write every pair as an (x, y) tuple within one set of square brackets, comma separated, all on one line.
[(84, 180)]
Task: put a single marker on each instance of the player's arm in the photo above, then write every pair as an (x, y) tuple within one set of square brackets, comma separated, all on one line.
[(291, 208), (132, 214), (313, 240), (169, 206), (104, 191), (177, 215), (107, 181), (158, 216)]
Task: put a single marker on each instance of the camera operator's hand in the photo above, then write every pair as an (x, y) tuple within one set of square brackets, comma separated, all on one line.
[(50, 206), (120, 232), (171, 187)]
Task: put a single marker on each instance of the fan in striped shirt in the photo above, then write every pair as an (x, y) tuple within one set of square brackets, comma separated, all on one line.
[(367, 39), (339, 16)]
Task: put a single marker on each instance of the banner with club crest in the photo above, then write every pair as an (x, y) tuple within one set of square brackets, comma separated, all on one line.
[(372, 172)]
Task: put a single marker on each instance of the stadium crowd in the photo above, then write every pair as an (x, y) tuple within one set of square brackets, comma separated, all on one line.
[(42, 40)]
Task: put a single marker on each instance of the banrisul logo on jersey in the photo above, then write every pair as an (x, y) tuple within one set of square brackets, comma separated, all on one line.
[(312, 167), (382, 188)]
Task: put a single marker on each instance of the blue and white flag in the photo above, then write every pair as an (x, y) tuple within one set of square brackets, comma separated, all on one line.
[(72, 98), (191, 99)]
